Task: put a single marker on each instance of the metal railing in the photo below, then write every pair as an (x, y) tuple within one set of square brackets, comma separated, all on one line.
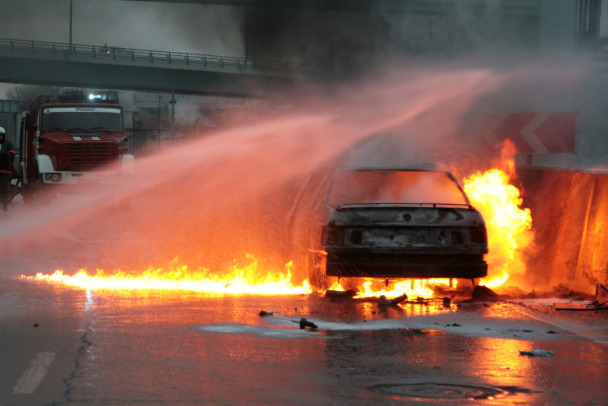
[(126, 55)]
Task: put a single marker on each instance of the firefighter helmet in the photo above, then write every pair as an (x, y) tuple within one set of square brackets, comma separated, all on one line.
[(2, 132)]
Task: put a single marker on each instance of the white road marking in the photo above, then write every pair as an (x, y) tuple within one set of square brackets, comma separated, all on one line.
[(593, 333), (32, 377)]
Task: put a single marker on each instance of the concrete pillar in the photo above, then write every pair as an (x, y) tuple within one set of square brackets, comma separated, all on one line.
[(557, 30)]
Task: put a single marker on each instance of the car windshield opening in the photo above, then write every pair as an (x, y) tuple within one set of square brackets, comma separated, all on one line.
[(423, 187)]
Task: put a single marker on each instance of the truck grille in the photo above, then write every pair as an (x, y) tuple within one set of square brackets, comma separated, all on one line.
[(86, 155)]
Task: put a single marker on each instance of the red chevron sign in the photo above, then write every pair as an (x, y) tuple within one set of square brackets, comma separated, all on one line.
[(546, 132)]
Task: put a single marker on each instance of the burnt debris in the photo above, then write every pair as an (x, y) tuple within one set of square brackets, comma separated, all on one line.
[(305, 323), (341, 294), (484, 293), (383, 301)]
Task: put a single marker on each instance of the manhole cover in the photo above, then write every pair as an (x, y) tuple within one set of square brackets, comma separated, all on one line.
[(431, 390)]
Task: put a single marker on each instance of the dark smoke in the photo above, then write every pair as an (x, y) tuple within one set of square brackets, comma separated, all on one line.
[(159, 26), (361, 40)]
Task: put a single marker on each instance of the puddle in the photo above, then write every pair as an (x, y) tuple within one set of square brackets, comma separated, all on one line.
[(259, 331), (433, 390)]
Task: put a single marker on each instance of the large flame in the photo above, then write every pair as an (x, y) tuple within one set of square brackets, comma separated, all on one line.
[(508, 226), (490, 192), (239, 280), (413, 288), (507, 223)]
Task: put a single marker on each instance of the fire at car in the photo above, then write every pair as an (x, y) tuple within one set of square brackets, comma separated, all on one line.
[(443, 233), (393, 223), (402, 224), (444, 223)]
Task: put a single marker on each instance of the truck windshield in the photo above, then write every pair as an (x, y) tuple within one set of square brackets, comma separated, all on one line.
[(82, 119)]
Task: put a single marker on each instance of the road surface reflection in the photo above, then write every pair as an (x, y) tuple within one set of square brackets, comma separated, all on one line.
[(178, 346)]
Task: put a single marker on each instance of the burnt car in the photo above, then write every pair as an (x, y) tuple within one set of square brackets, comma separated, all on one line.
[(405, 223)]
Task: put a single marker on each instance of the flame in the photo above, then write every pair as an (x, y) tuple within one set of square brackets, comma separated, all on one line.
[(413, 288), (490, 192), (240, 280), (508, 225)]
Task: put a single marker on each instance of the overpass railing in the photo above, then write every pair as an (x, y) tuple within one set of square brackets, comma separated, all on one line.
[(126, 55)]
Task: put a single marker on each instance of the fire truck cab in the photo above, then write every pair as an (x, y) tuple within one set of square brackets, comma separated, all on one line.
[(71, 137)]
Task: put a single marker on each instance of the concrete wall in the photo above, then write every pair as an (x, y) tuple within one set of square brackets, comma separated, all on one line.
[(570, 220)]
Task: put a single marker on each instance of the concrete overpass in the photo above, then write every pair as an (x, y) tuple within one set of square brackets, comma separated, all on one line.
[(61, 64), (400, 6)]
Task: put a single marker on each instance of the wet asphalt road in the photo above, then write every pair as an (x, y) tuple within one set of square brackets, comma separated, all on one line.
[(68, 346)]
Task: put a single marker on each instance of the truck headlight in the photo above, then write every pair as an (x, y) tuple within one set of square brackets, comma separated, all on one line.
[(53, 177)]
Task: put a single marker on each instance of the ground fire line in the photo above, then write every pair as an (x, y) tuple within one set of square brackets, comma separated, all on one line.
[(490, 192)]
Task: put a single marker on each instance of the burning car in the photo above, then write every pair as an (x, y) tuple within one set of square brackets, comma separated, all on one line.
[(405, 223)]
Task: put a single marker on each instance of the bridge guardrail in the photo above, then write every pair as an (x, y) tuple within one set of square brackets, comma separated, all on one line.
[(142, 55)]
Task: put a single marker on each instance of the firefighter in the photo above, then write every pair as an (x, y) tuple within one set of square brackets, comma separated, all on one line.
[(7, 155)]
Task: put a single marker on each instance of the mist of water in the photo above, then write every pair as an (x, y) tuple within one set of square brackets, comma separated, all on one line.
[(210, 201)]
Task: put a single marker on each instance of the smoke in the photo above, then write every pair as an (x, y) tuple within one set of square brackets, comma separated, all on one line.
[(159, 26), (192, 28), (359, 42), (215, 199), (210, 201)]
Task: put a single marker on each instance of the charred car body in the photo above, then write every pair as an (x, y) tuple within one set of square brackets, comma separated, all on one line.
[(405, 223)]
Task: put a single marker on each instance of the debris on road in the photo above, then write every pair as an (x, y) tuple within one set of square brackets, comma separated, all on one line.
[(537, 352), (601, 295), (484, 293), (267, 313), (341, 294), (577, 306), (600, 302), (383, 301), (422, 300), (305, 323)]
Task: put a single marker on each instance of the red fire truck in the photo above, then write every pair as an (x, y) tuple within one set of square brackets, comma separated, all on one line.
[(70, 138)]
